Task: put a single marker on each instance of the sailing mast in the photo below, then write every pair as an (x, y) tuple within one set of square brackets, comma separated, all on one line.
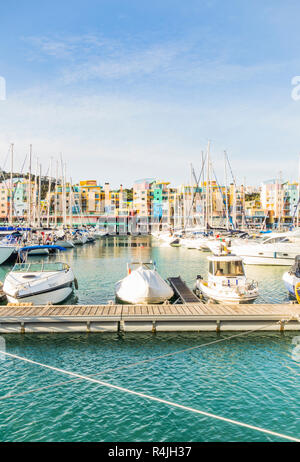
[(207, 186), (11, 184), (55, 196), (63, 191), (39, 196), (226, 197), (29, 188), (49, 194)]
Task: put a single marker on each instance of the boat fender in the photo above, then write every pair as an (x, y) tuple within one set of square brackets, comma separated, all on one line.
[(297, 287), (129, 270), (76, 284)]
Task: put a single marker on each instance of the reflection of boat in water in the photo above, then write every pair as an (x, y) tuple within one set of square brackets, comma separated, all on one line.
[(292, 277), (227, 281), (143, 285)]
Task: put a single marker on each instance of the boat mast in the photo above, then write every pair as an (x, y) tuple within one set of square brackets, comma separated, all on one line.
[(63, 191), (29, 186), (71, 203), (11, 184), (207, 187), (226, 197), (49, 193), (55, 196), (34, 198), (39, 196)]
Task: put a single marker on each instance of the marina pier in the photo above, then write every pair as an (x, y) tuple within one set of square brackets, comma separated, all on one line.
[(196, 317)]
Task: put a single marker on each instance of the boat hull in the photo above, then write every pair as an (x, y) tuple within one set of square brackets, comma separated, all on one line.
[(232, 297), (52, 297), (5, 253), (256, 260), (66, 244)]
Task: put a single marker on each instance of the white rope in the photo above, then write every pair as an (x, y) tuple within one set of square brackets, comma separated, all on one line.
[(153, 398), (138, 363)]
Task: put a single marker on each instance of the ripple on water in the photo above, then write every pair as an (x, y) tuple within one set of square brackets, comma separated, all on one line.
[(252, 379)]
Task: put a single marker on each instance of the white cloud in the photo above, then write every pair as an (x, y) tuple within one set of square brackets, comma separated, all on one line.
[(121, 139)]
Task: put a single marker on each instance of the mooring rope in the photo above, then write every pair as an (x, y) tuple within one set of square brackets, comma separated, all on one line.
[(143, 361), (138, 363), (153, 398)]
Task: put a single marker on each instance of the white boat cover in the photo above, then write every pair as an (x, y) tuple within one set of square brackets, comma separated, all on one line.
[(143, 286)]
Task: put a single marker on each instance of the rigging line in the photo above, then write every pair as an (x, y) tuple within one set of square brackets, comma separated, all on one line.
[(144, 361), (23, 164), (154, 398), (194, 192), (4, 164)]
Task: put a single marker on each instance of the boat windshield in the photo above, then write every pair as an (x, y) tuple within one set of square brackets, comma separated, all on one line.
[(39, 267), (228, 268)]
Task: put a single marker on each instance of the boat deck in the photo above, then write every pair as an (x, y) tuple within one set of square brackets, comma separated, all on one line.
[(143, 318)]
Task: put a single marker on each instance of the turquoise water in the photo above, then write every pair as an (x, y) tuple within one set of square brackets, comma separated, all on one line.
[(98, 266), (252, 378)]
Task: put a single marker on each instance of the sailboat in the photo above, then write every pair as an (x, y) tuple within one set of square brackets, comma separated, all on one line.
[(143, 285)]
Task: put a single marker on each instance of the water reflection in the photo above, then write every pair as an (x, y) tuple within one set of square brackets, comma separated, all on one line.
[(99, 265)]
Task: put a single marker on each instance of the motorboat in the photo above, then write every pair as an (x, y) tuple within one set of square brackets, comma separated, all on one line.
[(278, 249), (143, 285), (39, 283), (227, 281), (292, 277), (8, 247)]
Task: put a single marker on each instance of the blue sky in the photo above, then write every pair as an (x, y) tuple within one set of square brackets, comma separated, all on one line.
[(126, 89)]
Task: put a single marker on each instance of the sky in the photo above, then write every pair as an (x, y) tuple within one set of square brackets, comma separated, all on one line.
[(128, 89)]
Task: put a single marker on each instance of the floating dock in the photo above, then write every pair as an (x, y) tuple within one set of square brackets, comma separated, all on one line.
[(148, 318)]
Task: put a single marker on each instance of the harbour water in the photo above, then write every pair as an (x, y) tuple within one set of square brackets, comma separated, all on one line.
[(97, 266), (253, 378)]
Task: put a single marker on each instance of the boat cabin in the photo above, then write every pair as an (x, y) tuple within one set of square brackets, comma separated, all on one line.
[(224, 267)]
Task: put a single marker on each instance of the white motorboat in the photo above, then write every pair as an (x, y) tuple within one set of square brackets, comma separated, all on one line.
[(279, 250), (39, 283), (143, 285), (292, 277), (227, 281), (6, 251)]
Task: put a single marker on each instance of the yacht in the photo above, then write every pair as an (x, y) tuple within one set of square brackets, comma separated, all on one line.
[(278, 249), (227, 281), (39, 283)]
